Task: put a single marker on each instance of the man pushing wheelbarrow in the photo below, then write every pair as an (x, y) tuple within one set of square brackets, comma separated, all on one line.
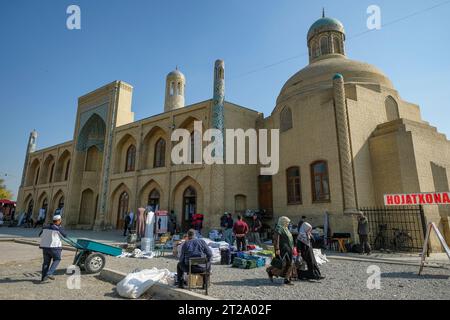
[(51, 246)]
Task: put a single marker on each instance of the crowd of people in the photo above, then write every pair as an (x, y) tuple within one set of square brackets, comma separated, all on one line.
[(293, 259)]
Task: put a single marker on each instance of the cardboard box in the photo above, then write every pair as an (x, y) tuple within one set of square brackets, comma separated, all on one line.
[(197, 280)]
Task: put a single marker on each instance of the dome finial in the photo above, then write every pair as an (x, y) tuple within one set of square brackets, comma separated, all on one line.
[(323, 12)]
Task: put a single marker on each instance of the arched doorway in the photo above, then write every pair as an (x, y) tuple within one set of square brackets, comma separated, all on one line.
[(154, 199), (43, 210), (123, 209), (60, 206), (30, 207), (189, 206)]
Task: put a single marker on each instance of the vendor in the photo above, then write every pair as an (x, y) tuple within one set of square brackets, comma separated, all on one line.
[(256, 226), (51, 247), (192, 248), (227, 224)]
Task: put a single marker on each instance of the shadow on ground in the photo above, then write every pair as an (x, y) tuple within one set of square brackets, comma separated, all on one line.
[(412, 275), (9, 280), (256, 282)]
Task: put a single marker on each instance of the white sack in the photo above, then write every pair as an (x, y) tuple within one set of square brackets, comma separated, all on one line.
[(320, 257), (137, 283)]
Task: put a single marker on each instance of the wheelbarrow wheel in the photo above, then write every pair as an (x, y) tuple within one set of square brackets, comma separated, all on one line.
[(94, 262)]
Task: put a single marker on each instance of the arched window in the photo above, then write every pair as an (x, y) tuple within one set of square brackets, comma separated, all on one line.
[(92, 159), (337, 45), (192, 148), (324, 45), (50, 179), (172, 88), (66, 174), (391, 109), (240, 203), (320, 181), (285, 119), (131, 159), (160, 153), (153, 199), (36, 179), (293, 184), (316, 49)]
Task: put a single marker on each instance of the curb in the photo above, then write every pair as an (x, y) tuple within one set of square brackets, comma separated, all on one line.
[(160, 290), (416, 264)]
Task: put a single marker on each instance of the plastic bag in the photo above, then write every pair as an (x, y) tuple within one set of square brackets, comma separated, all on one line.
[(137, 283)]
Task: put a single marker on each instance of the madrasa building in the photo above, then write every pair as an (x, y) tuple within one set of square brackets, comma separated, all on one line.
[(346, 139)]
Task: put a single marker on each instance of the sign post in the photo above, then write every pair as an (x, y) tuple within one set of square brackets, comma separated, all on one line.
[(432, 226)]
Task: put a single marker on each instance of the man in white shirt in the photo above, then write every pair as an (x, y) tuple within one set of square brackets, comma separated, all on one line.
[(51, 246)]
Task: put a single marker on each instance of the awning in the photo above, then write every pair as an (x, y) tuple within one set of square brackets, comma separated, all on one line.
[(6, 201)]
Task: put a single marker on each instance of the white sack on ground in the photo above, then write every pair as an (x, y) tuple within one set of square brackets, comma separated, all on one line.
[(320, 257), (137, 283)]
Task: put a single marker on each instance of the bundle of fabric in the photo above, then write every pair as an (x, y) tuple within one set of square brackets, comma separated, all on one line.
[(137, 283), (216, 256), (215, 235), (264, 253), (137, 253), (320, 257), (216, 244)]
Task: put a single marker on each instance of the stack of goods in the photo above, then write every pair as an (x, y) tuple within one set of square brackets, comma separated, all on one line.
[(215, 235), (265, 253), (244, 264), (225, 256), (246, 261)]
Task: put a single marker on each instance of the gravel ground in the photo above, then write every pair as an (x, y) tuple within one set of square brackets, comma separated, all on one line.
[(20, 278), (344, 280)]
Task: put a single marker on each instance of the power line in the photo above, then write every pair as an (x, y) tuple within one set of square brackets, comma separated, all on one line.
[(348, 38)]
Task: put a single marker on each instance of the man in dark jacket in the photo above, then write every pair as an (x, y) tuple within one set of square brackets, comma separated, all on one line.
[(226, 222), (51, 246), (363, 232), (192, 248), (255, 229), (127, 225)]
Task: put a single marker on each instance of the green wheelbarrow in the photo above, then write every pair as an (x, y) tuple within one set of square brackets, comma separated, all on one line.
[(90, 255)]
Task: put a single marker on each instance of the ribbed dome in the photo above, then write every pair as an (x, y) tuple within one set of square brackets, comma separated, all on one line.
[(320, 75), (325, 24)]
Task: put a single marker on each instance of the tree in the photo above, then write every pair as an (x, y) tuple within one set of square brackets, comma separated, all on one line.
[(4, 193)]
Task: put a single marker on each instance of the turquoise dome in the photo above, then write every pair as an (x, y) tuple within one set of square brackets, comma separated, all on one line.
[(325, 24)]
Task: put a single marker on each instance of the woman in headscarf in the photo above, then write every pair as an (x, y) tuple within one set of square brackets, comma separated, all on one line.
[(307, 253), (283, 245)]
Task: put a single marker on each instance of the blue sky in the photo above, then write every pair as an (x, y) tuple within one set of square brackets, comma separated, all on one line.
[(44, 67)]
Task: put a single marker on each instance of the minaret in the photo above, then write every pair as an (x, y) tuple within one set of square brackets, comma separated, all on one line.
[(217, 190), (218, 118), (31, 147), (345, 152), (175, 85)]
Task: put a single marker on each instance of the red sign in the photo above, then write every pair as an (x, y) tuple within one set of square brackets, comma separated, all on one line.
[(417, 199)]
